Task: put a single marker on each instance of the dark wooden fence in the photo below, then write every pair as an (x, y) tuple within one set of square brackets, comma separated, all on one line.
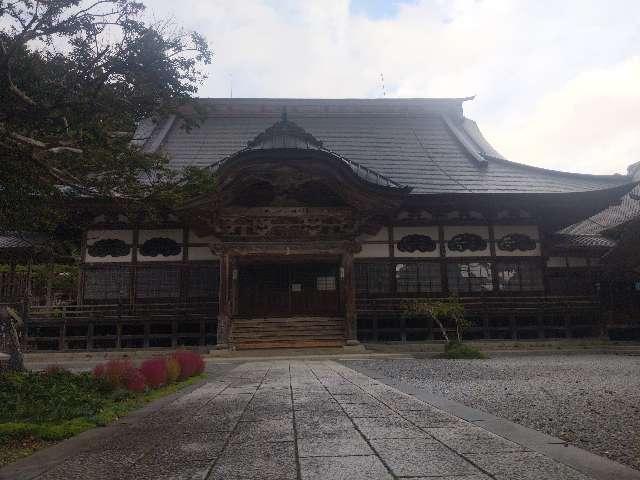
[(106, 327), (121, 326), (516, 318), (13, 285)]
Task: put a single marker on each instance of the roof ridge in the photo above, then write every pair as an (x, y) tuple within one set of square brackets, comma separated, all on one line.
[(465, 142)]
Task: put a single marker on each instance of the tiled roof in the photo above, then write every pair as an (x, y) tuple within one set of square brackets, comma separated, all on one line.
[(423, 143), (286, 134), (572, 242), (628, 209), (12, 241)]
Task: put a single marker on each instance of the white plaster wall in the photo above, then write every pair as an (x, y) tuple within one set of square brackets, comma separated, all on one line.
[(532, 231), (193, 238), (556, 262), (381, 236), (452, 231), (374, 246), (577, 262), (200, 253), (173, 234), (373, 250), (94, 235), (399, 232)]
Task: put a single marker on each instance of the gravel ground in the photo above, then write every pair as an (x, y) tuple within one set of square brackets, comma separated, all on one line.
[(591, 401)]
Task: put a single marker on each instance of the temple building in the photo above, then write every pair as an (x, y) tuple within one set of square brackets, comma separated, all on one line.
[(326, 216)]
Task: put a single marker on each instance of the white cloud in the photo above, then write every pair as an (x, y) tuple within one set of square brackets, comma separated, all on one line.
[(525, 59), (590, 124)]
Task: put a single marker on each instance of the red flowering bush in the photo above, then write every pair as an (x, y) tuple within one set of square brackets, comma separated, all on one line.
[(154, 371), (98, 371), (191, 364), (134, 381), (173, 369), (115, 372)]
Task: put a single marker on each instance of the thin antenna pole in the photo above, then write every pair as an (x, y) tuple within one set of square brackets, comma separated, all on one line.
[(231, 85), (384, 90)]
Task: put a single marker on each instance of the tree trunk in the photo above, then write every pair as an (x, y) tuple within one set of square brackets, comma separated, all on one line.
[(10, 341), (442, 329)]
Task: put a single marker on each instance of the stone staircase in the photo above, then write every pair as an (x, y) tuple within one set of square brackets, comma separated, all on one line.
[(292, 332)]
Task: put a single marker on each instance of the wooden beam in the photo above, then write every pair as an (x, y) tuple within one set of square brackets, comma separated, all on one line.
[(349, 296)]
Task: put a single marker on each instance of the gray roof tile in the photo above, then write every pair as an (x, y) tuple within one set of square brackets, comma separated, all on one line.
[(628, 209), (407, 141), (580, 241)]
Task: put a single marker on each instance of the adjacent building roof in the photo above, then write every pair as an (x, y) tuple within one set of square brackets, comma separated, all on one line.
[(615, 215), (564, 241), (599, 228), (426, 144), (15, 241)]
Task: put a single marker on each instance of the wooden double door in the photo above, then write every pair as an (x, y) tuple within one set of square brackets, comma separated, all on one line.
[(289, 289)]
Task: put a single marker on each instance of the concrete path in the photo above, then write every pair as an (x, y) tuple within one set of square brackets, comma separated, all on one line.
[(283, 420)]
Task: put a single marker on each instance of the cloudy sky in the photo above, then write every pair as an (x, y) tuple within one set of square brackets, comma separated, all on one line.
[(557, 82)]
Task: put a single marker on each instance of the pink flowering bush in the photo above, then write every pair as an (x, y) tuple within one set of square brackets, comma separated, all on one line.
[(135, 381), (191, 363), (154, 371), (115, 372)]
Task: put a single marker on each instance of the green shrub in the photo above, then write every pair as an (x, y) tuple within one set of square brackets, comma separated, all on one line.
[(49, 397), (37, 409), (45, 431), (456, 350)]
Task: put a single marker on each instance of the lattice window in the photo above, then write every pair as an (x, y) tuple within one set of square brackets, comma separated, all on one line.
[(158, 282), (204, 281), (325, 284), (418, 277), (106, 283), (519, 276), (372, 278), (466, 277)]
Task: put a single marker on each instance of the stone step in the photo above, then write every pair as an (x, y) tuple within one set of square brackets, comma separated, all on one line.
[(276, 328), (297, 343), (292, 332)]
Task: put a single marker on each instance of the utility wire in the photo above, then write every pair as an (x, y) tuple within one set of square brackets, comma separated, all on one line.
[(433, 161)]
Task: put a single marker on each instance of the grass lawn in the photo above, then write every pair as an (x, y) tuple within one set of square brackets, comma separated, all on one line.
[(40, 409)]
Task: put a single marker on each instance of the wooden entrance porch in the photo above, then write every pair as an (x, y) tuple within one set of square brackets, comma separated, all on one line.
[(295, 301), (289, 303)]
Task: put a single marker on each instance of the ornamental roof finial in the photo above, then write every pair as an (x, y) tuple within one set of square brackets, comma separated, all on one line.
[(283, 115)]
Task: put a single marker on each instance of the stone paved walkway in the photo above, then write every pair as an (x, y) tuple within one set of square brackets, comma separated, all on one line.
[(302, 420)]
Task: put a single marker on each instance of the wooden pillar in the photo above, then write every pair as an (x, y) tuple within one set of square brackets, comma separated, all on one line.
[(146, 342), (486, 332), (49, 287), (567, 325), (13, 290), (203, 333), (174, 333), (224, 312), (349, 299), (62, 342), (29, 287), (540, 322), (90, 336), (118, 335), (513, 326)]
